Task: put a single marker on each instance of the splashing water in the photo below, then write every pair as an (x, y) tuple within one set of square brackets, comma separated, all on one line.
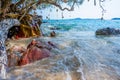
[(99, 57), (80, 69), (68, 76), (81, 54), (5, 25)]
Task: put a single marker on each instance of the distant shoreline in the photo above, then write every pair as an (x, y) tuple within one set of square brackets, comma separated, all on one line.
[(83, 19), (115, 19)]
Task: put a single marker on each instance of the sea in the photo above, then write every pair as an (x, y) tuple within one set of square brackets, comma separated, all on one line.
[(79, 54), (98, 56)]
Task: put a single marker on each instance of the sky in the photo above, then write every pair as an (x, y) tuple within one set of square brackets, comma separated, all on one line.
[(86, 10)]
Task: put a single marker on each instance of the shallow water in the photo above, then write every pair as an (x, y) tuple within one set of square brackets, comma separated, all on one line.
[(80, 54), (99, 57)]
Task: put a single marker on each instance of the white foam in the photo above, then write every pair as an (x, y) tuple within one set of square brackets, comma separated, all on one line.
[(68, 76), (3, 72)]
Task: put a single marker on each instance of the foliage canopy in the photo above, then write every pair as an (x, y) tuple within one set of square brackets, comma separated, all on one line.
[(23, 7)]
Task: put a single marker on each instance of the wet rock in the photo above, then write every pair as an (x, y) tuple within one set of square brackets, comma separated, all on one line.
[(55, 28), (14, 55), (13, 31), (12, 60), (35, 51), (108, 31), (52, 34), (34, 54), (51, 44)]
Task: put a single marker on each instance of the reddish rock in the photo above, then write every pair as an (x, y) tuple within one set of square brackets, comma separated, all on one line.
[(34, 52), (13, 60), (14, 55)]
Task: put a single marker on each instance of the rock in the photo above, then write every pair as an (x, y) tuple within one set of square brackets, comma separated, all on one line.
[(13, 31), (35, 51), (13, 60), (52, 34), (34, 54), (14, 55), (54, 28), (51, 44), (16, 48), (108, 31)]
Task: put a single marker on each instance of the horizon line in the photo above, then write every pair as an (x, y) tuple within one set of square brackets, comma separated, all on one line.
[(84, 18)]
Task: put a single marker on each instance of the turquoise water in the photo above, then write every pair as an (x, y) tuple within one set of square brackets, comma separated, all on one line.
[(99, 56), (85, 24)]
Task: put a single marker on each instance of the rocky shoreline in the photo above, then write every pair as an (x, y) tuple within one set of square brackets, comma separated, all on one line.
[(20, 52), (54, 67)]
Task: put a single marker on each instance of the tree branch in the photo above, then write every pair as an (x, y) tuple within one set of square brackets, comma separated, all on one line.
[(95, 2), (103, 10), (59, 6), (20, 2), (23, 15), (26, 7)]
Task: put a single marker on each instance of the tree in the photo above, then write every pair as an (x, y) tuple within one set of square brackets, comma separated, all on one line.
[(23, 7)]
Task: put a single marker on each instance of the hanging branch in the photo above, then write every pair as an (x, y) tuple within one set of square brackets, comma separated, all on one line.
[(26, 9), (20, 2), (27, 6), (95, 2), (23, 15), (103, 10), (0, 4), (59, 6), (4, 5)]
